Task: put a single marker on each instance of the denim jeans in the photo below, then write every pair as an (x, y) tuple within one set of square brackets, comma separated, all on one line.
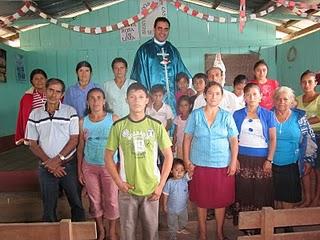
[(49, 185)]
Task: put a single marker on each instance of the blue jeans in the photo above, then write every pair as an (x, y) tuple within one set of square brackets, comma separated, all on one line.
[(49, 185)]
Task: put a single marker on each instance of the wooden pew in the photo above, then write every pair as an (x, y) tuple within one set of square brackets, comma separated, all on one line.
[(268, 218), (63, 230)]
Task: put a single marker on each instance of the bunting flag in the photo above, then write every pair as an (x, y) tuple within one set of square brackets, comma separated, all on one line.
[(300, 5), (298, 8), (28, 6), (20, 13), (242, 15), (210, 18), (301, 9)]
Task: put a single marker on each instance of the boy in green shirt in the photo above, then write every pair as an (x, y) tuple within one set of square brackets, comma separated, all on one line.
[(138, 138)]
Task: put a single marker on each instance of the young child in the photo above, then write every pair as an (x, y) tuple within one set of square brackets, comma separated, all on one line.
[(138, 138), (239, 82), (101, 189), (199, 82), (182, 82), (176, 198), (158, 109), (179, 121)]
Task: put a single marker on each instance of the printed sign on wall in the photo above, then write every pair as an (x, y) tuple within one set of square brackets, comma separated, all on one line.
[(130, 33)]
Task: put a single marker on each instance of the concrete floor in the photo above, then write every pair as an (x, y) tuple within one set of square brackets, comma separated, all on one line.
[(230, 231)]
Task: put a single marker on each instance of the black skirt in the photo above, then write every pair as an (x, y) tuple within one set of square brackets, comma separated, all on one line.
[(286, 183), (254, 188)]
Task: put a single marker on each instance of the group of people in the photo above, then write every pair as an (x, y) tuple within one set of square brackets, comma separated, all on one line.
[(249, 148)]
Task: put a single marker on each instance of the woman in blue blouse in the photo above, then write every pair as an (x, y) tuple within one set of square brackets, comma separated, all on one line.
[(210, 149), (295, 150), (257, 140), (76, 95)]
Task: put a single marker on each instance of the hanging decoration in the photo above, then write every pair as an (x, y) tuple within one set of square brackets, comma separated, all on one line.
[(28, 6), (242, 15), (300, 5), (298, 8), (211, 18)]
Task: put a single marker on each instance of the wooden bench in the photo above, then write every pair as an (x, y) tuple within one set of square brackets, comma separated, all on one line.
[(268, 218), (63, 230)]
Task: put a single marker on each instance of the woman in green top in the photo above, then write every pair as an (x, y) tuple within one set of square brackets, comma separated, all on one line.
[(310, 102)]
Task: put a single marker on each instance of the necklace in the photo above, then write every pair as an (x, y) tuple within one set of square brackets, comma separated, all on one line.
[(281, 122)]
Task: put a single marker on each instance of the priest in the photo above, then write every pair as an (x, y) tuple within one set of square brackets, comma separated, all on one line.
[(157, 61)]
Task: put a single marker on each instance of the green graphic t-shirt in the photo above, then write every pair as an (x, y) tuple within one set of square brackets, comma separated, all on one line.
[(138, 144)]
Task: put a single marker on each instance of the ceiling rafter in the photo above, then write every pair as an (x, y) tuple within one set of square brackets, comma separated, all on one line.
[(312, 28), (215, 4), (85, 2)]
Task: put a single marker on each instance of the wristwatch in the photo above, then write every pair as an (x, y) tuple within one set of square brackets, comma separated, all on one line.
[(62, 158)]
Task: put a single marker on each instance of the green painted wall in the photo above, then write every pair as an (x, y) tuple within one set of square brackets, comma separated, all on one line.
[(307, 57), (11, 92), (58, 50)]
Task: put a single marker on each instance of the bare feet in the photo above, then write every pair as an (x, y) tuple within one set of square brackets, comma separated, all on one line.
[(304, 204), (315, 202), (101, 234)]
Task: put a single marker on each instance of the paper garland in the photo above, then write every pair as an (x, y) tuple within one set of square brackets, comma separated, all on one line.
[(242, 15), (210, 18), (28, 6), (300, 5), (299, 9), (295, 7)]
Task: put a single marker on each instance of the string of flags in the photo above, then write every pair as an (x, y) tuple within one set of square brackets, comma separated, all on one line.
[(299, 8), (28, 6), (211, 18)]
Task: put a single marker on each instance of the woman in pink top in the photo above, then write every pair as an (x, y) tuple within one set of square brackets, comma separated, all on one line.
[(267, 86)]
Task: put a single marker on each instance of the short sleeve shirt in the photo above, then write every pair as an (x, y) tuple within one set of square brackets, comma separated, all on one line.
[(53, 133), (116, 97), (312, 109), (210, 144), (138, 143), (163, 114), (177, 191), (267, 90)]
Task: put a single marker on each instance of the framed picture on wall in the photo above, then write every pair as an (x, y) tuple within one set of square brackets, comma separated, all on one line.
[(3, 65)]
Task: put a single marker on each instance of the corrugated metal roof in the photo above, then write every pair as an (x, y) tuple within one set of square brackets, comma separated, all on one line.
[(287, 22)]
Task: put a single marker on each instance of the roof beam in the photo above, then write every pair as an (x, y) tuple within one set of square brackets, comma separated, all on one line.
[(85, 2), (215, 4), (308, 30), (284, 30), (263, 6)]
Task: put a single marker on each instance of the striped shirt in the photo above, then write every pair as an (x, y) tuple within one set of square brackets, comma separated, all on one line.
[(53, 132), (38, 100)]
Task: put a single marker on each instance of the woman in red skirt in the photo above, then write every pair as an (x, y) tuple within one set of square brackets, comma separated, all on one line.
[(210, 154)]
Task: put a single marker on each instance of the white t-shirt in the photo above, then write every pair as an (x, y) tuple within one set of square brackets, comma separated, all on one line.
[(229, 101), (199, 102), (251, 134), (116, 97), (163, 114)]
